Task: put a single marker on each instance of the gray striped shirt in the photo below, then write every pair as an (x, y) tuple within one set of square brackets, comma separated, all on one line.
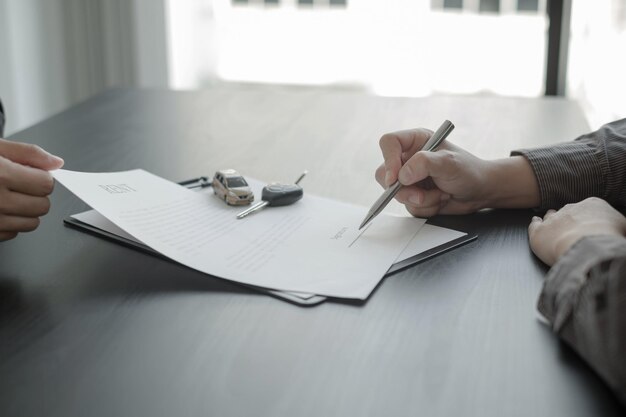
[(594, 165), (584, 294)]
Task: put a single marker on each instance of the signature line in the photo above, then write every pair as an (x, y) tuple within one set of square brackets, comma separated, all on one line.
[(360, 234)]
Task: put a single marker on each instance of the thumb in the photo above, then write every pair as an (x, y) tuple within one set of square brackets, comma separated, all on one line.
[(30, 155), (425, 164)]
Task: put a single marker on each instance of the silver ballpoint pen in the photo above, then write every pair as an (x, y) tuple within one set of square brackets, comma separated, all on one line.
[(388, 195)]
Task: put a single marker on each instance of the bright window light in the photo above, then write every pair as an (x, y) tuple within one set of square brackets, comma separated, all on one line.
[(394, 48)]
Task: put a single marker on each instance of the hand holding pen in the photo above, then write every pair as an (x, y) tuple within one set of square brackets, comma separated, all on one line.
[(452, 180), (430, 179), (431, 145)]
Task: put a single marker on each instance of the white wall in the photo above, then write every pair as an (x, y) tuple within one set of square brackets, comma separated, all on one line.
[(54, 53), (31, 58), (597, 59)]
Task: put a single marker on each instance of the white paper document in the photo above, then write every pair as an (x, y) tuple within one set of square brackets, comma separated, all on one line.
[(313, 246)]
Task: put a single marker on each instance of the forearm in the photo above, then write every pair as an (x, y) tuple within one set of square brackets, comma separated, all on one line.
[(584, 298), (511, 183), (594, 165)]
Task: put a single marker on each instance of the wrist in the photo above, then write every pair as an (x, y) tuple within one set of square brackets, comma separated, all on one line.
[(511, 183)]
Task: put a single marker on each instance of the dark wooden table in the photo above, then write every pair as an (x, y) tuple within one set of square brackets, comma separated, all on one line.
[(91, 328)]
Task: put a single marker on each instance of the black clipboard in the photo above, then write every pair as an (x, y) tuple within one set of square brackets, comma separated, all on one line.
[(203, 182), (430, 253)]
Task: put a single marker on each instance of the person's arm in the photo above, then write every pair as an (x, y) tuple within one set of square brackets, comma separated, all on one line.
[(457, 182), (584, 299), (584, 294), (594, 165)]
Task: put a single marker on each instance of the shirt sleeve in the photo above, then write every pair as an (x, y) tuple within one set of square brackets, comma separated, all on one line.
[(593, 165), (584, 299)]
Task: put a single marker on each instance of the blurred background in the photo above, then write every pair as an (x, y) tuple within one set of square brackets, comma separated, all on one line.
[(55, 53)]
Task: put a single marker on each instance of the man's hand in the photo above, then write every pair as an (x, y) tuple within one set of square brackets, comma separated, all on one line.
[(24, 186), (553, 235), (452, 180)]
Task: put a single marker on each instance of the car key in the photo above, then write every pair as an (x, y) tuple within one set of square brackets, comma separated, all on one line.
[(275, 195)]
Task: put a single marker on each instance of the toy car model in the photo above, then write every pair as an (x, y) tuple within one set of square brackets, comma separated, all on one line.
[(231, 187)]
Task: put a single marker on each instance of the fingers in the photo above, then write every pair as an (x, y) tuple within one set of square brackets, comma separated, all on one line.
[(397, 148), (18, 224), (419, 201), (380, 175), (422, 212), (423, 203), (30, 155), (549, 214), (431, 210), (391, 147), (7, 236), (24, 179), (533, 233), (421, 197), (20, 213), (24, 186), (534, 224), (17, 204)]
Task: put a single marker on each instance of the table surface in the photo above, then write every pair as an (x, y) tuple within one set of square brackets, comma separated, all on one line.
[(88, 327)]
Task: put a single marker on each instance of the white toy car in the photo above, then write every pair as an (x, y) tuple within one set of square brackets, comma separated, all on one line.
[(231, 187)]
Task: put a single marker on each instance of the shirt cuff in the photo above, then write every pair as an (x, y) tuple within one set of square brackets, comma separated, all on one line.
[(566, 172)]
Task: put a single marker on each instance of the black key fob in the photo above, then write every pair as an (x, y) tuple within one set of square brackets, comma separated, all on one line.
[(281, 194)]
